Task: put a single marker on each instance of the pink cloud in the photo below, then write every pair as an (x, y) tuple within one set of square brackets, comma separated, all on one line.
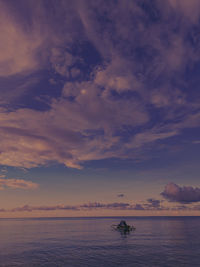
[(18, 47), (149, 205), (16, 184), (190, 9), (43, 208), (74, 132), (90, 126), (65, 132)]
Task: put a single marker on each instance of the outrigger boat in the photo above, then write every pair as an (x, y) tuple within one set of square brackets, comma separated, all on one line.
[(123, 226)]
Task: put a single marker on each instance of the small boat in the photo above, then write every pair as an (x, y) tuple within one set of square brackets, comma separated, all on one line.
[(123, 226)]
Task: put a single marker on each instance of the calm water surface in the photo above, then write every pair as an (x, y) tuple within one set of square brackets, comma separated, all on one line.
[(157, 241)]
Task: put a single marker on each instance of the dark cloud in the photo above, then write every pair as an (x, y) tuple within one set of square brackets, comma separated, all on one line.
[(185, 194), (120, 195), (3, 210), (97, 205), (154, 203)]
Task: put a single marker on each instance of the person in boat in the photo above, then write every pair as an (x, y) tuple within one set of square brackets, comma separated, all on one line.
[(123, 224)]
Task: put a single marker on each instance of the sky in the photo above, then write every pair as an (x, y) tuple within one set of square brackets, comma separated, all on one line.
[(99, 108)]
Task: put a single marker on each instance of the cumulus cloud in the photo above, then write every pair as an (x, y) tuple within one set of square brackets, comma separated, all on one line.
[(185, 194), (16, 184)]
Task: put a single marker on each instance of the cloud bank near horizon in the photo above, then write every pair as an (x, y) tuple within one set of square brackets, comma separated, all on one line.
[(89, 206), (117, 206), (185, 195)]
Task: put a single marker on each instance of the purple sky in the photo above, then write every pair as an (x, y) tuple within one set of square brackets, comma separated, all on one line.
[(99, 107)]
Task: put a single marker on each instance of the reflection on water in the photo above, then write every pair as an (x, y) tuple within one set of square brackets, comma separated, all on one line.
[(157, 241)]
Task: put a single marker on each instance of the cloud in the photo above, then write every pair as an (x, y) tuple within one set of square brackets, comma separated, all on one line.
[(151, 136), (97, 205), (188, 8), (90, 206), (185, 194), (18, 47), (148, 205), (3, 210), (115, 97), (120, 195), (196, 142), (43, 208), (67, 133), (154, 203), (16, 184)]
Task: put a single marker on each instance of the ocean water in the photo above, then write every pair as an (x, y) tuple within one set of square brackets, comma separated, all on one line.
[(157, 241)]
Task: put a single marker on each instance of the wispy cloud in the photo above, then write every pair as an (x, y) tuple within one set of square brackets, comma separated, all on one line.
[(121, 101), (196, 142), (43, 208), (18, 47), (16, 184)]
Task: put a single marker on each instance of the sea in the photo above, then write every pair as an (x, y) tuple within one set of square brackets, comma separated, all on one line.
[(77, 242)]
